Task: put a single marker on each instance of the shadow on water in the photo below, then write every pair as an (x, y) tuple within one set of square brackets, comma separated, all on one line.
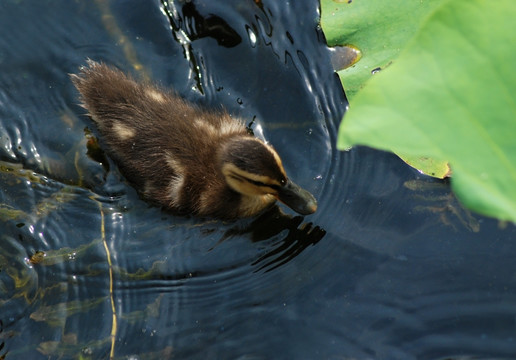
[(197, 26), (188, 25), (273, 222)]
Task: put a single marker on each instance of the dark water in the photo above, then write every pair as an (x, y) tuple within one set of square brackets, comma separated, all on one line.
[(390, 267)]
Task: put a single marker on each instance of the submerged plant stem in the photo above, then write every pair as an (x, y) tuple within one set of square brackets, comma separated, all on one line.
[(111, 297)]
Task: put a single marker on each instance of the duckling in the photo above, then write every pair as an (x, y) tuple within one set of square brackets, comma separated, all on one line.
[(184, 158)]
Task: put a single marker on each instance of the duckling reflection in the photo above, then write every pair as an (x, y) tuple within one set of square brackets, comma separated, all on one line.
[(181, 157), (271, 223)]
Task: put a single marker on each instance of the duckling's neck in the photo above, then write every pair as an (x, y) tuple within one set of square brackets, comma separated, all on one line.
[(251, 205)]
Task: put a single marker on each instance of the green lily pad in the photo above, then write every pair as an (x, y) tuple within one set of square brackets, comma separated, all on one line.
[(379, 29), (435, 168), (451, 96)]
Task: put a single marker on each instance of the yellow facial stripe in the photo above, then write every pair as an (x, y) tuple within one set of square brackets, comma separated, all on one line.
[(274, 154), (277, 158), (247, 183), (231, 170)]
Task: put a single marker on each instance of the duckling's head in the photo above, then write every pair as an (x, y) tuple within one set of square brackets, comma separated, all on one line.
[(254, 169)]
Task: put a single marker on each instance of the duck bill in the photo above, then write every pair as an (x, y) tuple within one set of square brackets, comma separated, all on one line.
[(297, 198)]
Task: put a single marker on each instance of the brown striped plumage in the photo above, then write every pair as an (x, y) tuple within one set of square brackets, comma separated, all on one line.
[(180, 156)]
